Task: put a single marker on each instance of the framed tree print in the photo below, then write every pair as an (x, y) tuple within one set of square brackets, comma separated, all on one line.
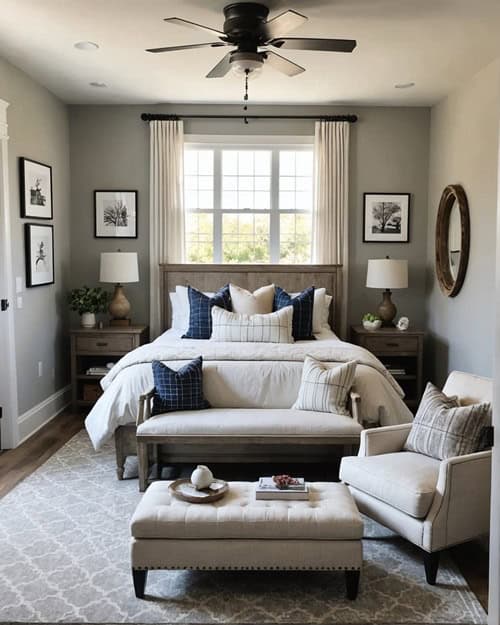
[(115, 214), (36, 189), (386, 217), (39, 243)]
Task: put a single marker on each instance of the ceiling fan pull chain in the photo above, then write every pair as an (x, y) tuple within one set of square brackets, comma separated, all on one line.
[(245, 97)]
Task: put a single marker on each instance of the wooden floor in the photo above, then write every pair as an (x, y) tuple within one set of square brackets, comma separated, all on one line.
[(19, 463)]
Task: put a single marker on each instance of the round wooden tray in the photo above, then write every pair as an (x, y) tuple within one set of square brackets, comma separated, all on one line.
[(205, 495)]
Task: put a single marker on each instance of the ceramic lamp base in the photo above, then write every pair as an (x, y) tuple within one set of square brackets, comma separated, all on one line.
[(119, 307), (386, 310)]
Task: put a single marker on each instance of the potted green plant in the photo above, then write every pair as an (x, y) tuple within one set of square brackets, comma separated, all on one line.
[(87, 302)]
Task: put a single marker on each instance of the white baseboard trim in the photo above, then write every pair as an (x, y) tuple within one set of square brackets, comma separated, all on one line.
[(38, 416)]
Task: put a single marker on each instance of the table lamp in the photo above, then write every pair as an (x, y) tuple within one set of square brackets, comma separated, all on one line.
[(387, 273), (119, 267)]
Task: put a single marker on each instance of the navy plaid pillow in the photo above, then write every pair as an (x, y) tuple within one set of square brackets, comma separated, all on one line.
[(200, 311), (302, 311), (178, 390)]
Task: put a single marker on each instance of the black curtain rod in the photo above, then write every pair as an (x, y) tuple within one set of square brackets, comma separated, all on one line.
[(149, 117)]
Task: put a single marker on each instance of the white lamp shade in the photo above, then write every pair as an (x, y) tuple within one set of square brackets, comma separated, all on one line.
[(387, 273), (119, 267)]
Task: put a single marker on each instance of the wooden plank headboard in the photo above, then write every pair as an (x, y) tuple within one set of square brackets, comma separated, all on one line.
[(292, 278)]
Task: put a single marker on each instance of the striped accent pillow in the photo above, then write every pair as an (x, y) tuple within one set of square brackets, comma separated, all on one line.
[(178, 390), (303, 305), (271, 328), (444, 429), (325, 387), (200, 306)]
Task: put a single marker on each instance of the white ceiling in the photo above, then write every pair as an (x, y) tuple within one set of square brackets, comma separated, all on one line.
[(435, 43)]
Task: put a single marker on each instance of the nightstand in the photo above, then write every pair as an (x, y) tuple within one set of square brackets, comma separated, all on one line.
[(94, 348), (401, 351)]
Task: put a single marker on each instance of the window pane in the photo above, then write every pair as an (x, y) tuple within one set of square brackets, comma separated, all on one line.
[(248, 172), (199, 238), (198, 179), (245, 238), (295, 238), (296, 180)]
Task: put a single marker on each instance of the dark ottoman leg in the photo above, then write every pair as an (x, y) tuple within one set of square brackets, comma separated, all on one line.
[(140, 577), (431, 564), (352, 584)]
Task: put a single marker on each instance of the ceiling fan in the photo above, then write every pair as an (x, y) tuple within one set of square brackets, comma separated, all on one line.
[(247, 29)]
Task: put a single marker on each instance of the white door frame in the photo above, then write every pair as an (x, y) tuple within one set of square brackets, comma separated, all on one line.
[(8, 381)]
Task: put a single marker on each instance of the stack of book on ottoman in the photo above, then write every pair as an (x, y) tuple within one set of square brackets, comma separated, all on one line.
[(282, 487)]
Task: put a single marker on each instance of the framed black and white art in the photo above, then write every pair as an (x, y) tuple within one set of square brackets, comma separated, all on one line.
[(115, 214), (386, 217), (39, 243), (36, 189)]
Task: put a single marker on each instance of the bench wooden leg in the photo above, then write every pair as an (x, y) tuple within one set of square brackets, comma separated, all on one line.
[(352, 584), (143, 464), (139, 577)]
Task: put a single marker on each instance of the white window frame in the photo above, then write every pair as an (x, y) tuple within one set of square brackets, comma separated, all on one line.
[(217, 143)]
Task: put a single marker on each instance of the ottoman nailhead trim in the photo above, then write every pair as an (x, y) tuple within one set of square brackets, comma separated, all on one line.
[(246, 568)]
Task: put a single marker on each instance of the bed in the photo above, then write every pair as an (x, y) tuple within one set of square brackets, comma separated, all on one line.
[(240, 375)]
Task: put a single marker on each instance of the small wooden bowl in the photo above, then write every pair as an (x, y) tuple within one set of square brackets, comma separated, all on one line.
[(206, 495)]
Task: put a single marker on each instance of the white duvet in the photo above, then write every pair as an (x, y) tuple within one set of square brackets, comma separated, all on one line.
[(242, 375)]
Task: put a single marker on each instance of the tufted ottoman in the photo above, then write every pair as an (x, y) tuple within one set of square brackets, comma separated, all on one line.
[(240, 533)]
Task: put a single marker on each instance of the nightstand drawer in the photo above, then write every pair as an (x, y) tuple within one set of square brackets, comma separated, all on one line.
[(378, 344), (116, 343)]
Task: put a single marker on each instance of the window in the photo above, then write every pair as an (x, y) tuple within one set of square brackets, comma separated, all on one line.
[(248, 204)]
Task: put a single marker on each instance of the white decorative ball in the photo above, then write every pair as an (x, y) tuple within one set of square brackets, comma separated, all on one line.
[(201, 477)]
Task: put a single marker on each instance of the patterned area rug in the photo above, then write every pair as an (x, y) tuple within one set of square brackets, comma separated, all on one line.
[(64, 557)]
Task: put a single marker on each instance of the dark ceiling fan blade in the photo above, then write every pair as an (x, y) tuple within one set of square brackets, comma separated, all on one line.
[(283, 24), (213, 44), (326, 45), (194, 25), (283, 65), (222, 67)]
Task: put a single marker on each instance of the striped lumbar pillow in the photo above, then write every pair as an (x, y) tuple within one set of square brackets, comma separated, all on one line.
[(325, 387), (444, 429), (271, 328)]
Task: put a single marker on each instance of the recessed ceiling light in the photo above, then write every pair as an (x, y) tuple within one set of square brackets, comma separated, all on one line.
[(100, 85), (404, 85), (89, 46)]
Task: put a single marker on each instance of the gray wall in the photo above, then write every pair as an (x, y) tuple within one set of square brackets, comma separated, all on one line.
[(464, 150), (109, 149), (39, 129)]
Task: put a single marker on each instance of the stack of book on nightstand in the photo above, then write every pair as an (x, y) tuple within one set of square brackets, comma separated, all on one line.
[(267, 489), (97, 371)]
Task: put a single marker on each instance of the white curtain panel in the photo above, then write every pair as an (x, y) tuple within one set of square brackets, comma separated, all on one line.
[(331, 209), (166, 230)]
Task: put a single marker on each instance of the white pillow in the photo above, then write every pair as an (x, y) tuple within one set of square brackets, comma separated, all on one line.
[(179, 321), (274, 327), (326, 311), (260, 302), (325, 386), (320, 309)]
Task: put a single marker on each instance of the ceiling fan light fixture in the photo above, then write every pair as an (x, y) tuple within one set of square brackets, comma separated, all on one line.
[(246, 62)]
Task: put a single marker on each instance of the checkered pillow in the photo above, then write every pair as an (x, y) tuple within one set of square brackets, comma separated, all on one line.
[(325, 387), (303, 305), (444, 429), (274, 327), (200, 308), (178, 390)]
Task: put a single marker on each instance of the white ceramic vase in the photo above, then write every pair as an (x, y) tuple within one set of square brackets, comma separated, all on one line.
[(87, 320), (201, 477)]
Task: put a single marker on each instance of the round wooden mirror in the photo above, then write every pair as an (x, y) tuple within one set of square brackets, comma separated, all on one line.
[(452, 239)]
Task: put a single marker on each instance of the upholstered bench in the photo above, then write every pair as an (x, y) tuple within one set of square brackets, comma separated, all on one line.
[(240, 533)]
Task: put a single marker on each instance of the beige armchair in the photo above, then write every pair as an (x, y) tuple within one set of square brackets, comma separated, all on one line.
[(433, 504)]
